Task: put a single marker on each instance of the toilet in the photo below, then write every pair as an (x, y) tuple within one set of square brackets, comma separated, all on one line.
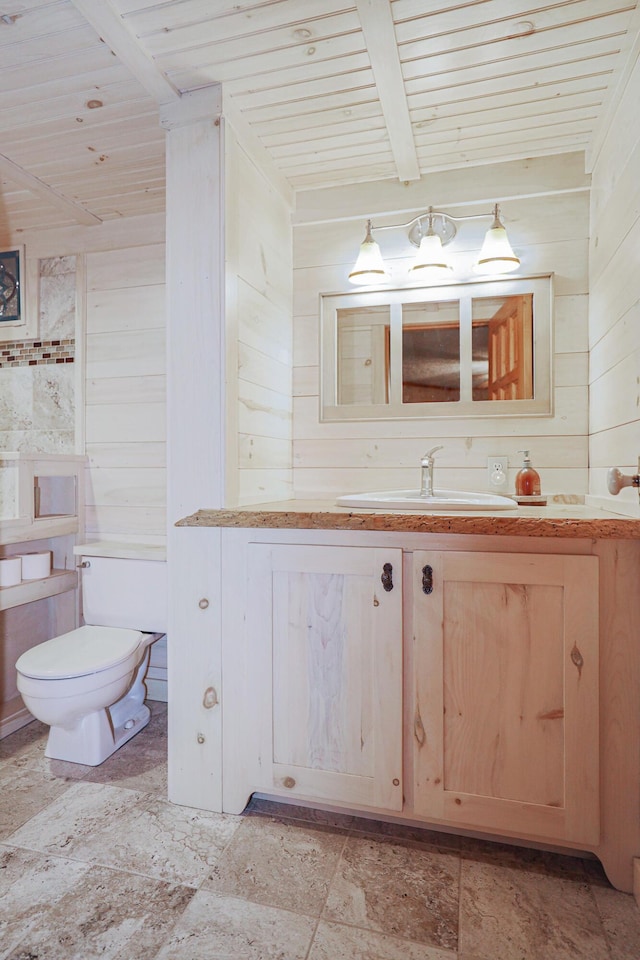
[(88, 685)]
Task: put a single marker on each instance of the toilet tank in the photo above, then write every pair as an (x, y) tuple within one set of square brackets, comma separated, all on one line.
[(118, 592)]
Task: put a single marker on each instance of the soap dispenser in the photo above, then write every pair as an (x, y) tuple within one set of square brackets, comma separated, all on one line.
[(528, 482)]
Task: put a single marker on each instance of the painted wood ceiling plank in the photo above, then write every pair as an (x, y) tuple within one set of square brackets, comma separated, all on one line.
[(328, 134), (313, 70), (533, 68), (360, 131), (549, 93), (474, 9), (224, 20), (586, 105), (300, 54), (88, 84), (54, 68), (124, 99), (336, 101), (419, 58), (442, 157), (535, 127), (72, 39), (117, 124), (352, 83), (108, 24), (328, 119), (378, 30), (318, 155), (98, 145), (41, 189), (486, 23), (214, 48)]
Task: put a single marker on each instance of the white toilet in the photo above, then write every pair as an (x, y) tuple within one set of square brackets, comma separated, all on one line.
[(88, 685)]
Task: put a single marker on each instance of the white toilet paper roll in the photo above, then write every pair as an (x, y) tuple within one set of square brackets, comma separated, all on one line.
[(36, 565), (10, 571)]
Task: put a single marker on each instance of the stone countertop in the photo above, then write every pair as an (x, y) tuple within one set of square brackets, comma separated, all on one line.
[(576, 521)]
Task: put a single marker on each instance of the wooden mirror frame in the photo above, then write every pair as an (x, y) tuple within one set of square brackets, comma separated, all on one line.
[(541, 405)]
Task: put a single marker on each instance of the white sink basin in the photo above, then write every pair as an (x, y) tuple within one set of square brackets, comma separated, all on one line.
[(441, 500)]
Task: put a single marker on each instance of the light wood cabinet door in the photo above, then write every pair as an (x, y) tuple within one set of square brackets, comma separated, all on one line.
[(505, 692), (326, 672)]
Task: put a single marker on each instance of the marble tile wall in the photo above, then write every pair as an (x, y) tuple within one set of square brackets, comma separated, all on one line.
[(37, 381)]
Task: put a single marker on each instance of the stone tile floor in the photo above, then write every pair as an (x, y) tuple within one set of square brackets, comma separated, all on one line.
[(95, 862)]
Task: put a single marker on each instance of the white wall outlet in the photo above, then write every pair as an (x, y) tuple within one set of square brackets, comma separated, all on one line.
[(498, 474)]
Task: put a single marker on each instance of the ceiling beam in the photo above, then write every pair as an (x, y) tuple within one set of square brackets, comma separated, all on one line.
[(109, 25), (20, 176), (379, 34)]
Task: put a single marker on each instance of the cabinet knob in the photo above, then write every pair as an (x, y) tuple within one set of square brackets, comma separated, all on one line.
[(203, 604), (387, 577), (288, 782)]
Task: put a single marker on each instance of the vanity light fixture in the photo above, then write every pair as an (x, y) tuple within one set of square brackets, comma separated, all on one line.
[(369, 267), (430, 232)]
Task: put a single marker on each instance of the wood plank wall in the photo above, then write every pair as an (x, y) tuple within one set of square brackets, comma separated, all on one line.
[(614, 311), (258, 312), (547, 217), (120, 369), (125, 393)]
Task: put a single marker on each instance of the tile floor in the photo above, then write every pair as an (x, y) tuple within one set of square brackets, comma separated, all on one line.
[(96, 863)]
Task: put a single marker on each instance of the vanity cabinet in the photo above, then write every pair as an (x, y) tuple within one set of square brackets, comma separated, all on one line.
[(503, 685), (497, 681), (463, 693), (324, 672)]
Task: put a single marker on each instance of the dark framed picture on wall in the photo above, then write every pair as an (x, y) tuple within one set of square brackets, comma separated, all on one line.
[(10, 287)]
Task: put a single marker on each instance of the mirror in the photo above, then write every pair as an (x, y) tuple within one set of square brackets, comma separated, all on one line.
[(473, 349)]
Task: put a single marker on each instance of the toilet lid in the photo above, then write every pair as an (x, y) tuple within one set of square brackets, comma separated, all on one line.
[(81, 652)]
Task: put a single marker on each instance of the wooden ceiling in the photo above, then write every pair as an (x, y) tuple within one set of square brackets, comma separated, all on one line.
[(328, 91)]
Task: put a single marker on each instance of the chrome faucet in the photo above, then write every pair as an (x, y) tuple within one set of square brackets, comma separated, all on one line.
[(426, 463)]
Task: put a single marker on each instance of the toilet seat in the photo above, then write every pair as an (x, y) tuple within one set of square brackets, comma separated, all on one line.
[(87, 650)]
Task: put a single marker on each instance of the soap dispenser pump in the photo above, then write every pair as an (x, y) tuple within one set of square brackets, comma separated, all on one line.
[(527, 479)]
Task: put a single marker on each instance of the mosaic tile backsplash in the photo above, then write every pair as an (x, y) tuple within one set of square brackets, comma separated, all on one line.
[(30, 353), (37, 379)]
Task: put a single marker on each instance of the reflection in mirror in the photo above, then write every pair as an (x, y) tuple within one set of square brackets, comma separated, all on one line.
[(502, 347), (363, 359), (430, 352), (447, 351)]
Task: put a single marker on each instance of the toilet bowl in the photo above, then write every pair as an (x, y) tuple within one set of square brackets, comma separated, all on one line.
[(88, 684)]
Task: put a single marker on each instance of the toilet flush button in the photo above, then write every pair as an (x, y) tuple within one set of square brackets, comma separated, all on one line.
[(129, 724)]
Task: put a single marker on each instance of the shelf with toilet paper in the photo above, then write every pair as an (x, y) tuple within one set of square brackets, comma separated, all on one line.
[(56, 582), (40, 499)]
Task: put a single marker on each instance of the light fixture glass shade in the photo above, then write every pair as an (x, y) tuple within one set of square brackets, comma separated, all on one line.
[(496, 255), (369, 267), (431, 262)]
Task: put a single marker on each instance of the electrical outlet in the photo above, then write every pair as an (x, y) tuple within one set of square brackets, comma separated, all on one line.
[(498, 474)]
